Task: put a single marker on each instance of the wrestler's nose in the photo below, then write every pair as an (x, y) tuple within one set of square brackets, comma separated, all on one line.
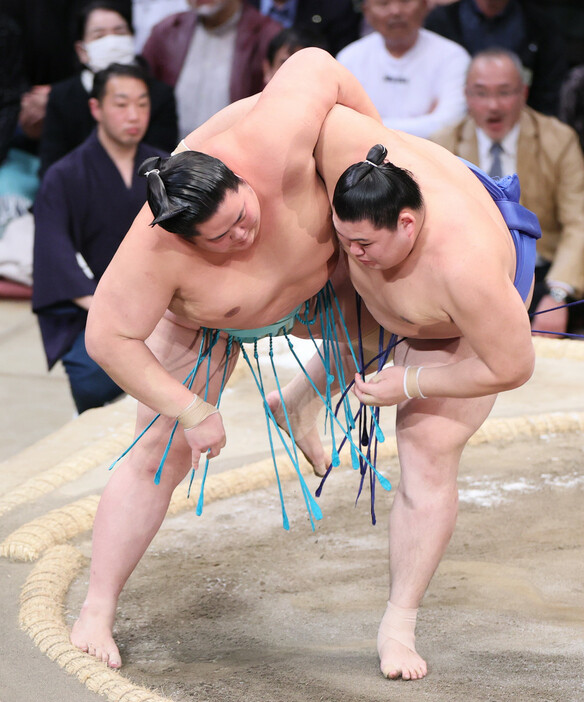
[(356, 249), (239, 233)]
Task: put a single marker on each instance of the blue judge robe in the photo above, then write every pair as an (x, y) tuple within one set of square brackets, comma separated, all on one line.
[(82, 211)]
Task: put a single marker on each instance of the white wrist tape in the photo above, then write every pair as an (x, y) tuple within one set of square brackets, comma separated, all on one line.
[(412, 383), (196, 412)]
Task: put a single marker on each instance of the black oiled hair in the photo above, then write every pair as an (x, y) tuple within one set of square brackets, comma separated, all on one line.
[(186, 189), (376, 190), (123, 70)]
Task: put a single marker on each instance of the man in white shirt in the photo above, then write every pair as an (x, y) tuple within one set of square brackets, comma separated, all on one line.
[(414, 77), (546, 155)]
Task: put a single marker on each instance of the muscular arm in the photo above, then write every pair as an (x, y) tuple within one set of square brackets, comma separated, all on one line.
[(296, 101), (131, 298), (492, 319), (312, 80)]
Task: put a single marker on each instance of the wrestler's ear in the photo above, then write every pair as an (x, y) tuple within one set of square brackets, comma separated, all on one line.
[(407, 221)]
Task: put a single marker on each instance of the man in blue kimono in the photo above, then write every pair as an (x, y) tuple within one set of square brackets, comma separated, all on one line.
[(86, 204)]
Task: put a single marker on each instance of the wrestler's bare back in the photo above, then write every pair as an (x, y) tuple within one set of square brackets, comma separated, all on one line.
[(463, 234)]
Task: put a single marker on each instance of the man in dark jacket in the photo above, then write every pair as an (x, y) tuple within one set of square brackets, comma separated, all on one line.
[(83, 209), (514, 25), (212, 55), (337, 20)]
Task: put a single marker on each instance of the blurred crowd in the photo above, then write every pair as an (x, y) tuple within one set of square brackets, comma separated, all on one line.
[(89, 89)]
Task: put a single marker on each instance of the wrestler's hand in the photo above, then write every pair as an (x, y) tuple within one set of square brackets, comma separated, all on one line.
[(555, 321), (386, 388), (206, 437)]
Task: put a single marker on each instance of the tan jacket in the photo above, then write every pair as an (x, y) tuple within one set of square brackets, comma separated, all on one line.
[(550, 166)]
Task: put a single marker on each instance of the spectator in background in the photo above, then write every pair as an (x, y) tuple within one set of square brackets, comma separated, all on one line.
[(288, 42), (147, 13), (12, 81), (502, 136), (211, 55), (569, 17), (103, 36), (46, 30), (414, 77), (337, 20), (515, 25), (16, 189), (85, 206), (35, 50)]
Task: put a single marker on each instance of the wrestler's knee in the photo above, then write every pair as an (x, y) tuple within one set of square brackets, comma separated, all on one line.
[(147, 455), (429, 493), (436, 430), (429, 469)]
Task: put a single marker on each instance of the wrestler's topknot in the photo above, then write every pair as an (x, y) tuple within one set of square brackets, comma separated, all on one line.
[(376, 190)]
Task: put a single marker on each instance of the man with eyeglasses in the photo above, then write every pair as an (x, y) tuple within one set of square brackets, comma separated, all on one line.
[(502, 136)]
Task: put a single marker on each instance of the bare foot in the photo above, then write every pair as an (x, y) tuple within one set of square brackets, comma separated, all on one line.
[(399, 661), (305, 433), (92, 633)]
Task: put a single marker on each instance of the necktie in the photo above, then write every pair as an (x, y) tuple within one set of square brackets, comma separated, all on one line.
[(496, 170)]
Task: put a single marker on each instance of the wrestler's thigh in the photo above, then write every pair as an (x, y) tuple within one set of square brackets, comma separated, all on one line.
[(177, 349), (431, 433)]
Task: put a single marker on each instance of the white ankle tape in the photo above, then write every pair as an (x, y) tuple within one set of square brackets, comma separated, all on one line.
[(398, 623)]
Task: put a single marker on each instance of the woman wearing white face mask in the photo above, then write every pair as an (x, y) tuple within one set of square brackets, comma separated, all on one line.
[(108, 49), (104, 36)]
